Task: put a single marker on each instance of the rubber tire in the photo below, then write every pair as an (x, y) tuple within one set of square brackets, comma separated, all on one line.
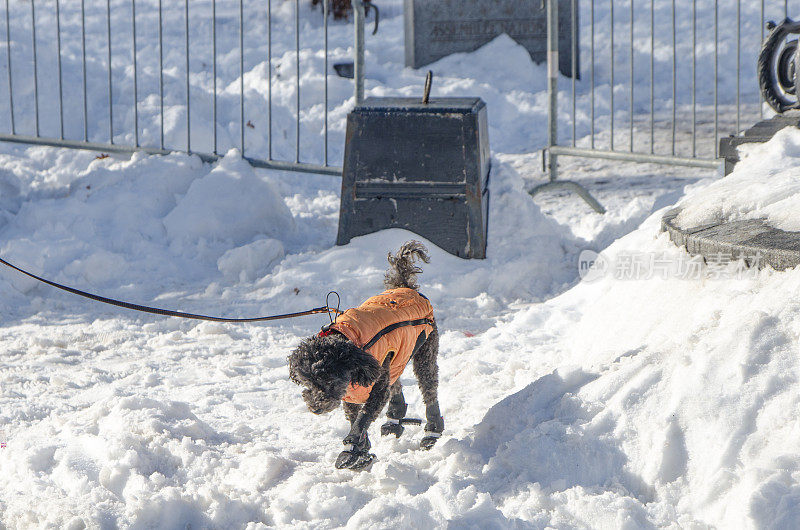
[(766, 78)]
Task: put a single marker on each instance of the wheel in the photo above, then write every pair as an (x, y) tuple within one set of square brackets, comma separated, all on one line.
[(777, 67), (785, 67)]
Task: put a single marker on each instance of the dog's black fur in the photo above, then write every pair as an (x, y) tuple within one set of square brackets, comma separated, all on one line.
[(325, 366)]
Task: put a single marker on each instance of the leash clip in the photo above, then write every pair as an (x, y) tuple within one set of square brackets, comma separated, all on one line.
[(328, 306), (326, 329)]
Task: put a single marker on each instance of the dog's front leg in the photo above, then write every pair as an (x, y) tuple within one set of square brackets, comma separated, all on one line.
[(351, 411), (356, 455)]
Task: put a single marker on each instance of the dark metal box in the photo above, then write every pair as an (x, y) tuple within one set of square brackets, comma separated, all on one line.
[(422, 167), (437, 28)]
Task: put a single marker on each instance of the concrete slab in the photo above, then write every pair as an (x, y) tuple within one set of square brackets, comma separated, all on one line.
[(752, 240)]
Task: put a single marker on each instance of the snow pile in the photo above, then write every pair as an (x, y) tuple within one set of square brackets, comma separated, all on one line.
[(230, 204), (250, 262), (695, 382), (127, 448), (765, 184), (122, 224)]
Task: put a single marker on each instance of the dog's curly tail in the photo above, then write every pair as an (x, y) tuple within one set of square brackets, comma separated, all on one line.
[(402, 271)]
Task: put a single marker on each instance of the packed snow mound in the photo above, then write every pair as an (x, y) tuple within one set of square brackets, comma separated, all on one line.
[(765, 184), (137, 228), (136, 449), (230, 204), (249, 262), (9, 195), (100, 219), (662, 401), (695, 381)]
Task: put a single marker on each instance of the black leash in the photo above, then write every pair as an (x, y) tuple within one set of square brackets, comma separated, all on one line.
[(169, 312)]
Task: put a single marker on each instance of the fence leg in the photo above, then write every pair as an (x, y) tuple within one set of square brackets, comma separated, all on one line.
[(552, 115), (582, 192), (358, 60)]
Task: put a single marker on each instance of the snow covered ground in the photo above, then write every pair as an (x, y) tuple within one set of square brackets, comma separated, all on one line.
[(648, 397)]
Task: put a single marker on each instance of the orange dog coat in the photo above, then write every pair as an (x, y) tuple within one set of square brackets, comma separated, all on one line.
[(389, 322)]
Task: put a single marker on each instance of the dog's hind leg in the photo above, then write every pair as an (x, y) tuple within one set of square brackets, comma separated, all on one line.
[(396, 411), (427, 371), (397, 402)]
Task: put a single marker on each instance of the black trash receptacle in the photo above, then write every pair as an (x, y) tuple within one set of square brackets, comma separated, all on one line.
[(422, 167)]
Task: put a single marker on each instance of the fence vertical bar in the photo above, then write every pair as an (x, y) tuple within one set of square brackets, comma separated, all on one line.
[(83, 68), (674, 77), (630, 110), (591, 96), (241, 73), (738, 61), (358, 60), (694, 78), (188, 90), (652, 77), (325, 73), (135, 77), (60, 78), (269, 79), (214, 73), (760, 99), (552, 86), (611, 54), (110, 90), (573, 58), (297, 79), (552, 117), (716, 76), (160, 75), (10, 77), (35, 67)]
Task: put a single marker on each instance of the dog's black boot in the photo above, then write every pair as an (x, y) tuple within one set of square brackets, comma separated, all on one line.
[(396, 410), (392, 427), (356, 456), (396, 426), (429, 440), (434, 427), (360, 462), (355, 460)]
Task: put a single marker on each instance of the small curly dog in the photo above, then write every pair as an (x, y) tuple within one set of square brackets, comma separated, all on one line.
[(358, 359)]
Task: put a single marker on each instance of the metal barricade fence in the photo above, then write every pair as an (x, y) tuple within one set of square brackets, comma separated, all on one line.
[(103, 49), (674, 74)]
